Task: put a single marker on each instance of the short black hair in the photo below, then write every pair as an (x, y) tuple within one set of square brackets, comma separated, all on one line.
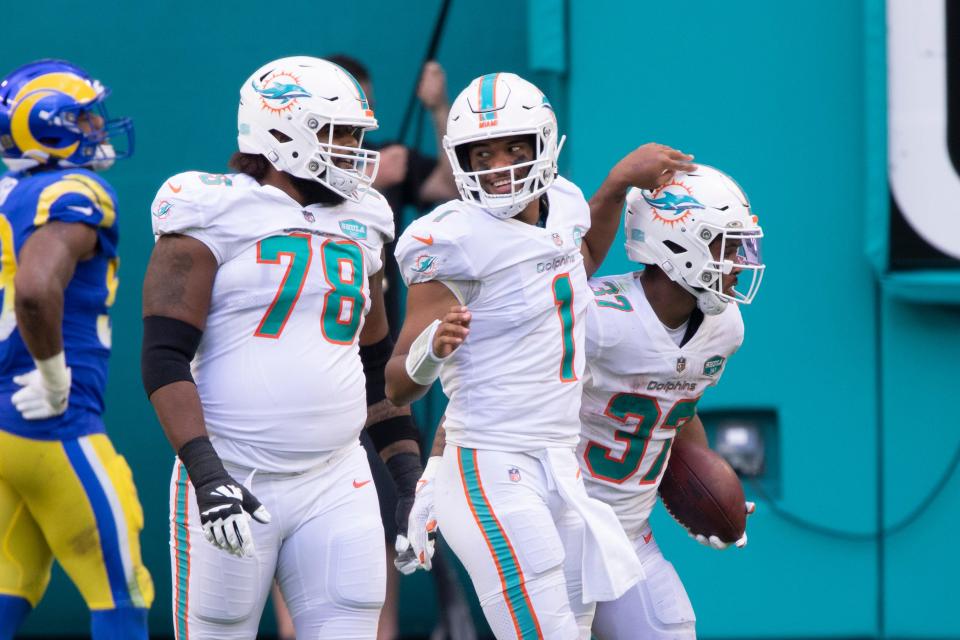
[(353, 66)]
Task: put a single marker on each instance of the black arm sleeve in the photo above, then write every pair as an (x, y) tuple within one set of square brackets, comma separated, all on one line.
[(374, 358), (168, 347)]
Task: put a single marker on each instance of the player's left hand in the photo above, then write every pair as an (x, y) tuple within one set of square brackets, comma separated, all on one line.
[(415, 550), (405, 469), (651, 166), (39, 397), (718, 544)]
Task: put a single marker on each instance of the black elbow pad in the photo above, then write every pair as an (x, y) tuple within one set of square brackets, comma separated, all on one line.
[(168, 348)]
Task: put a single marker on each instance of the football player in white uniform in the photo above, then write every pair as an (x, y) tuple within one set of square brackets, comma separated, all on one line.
[(656, 339), (269, 281), (508, 265)]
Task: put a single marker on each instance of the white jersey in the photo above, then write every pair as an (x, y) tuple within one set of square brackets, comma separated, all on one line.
[(278, 369), (515, 382), (640, 388)]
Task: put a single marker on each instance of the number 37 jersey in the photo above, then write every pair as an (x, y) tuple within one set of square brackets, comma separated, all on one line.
[(640, 388), (278, 369)]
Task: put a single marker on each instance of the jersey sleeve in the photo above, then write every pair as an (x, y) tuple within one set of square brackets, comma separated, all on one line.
[(188, 205), (85, 198), (432, 249)]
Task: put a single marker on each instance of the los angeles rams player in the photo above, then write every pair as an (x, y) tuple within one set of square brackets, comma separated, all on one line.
[(269, 281), (656, 339), (64, 492), (497, 292)]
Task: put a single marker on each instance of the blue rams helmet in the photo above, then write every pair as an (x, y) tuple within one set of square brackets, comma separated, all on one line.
[(53, 112)]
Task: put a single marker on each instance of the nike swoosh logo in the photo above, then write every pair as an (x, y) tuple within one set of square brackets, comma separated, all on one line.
[(427, 241), (357, 485), (647, 537), (420, 485), (87, 211), (174, 188)]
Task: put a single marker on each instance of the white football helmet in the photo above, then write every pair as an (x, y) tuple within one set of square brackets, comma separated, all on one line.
[(493, 106), (284, 105), (674, 226)]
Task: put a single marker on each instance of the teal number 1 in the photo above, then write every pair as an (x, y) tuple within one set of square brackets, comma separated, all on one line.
[(563, 299)]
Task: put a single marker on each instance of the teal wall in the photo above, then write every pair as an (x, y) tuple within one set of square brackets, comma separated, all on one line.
[(176, 67), (789, 98)]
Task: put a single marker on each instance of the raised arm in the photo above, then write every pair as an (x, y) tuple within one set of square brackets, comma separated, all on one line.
[(432, 91), (647, 167)]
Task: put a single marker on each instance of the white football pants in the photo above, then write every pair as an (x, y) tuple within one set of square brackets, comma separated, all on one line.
[(324, 544), (522, 545), (656, 608)]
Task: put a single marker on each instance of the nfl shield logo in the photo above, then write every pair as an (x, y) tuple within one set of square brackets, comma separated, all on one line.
[(681, 364), (557, 240), (308, 216), (514, 474)]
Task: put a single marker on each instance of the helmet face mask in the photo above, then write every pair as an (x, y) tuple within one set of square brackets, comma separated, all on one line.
[(292, 111), (700, 231), (52, 111), (497, 106)]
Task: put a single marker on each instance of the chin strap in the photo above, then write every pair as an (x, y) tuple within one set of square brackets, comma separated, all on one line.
[(710, 303)]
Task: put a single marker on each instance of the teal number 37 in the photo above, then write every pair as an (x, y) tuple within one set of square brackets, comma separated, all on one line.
[(624, 408), (342, 264)]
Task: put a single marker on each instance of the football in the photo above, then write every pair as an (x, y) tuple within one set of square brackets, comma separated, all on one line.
[(703, 493)]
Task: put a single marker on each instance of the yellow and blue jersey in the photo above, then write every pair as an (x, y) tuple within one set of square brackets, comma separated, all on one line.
[(27, 202)]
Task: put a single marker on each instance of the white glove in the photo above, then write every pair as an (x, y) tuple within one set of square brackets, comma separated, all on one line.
[(416, 550), (716, 543), (45, 391)]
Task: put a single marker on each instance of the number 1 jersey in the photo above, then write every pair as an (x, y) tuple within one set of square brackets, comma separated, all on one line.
[(278, 369), (639, 389), (515, 382)]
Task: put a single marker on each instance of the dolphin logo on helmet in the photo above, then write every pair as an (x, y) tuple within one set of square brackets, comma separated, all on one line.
[(281, 91)]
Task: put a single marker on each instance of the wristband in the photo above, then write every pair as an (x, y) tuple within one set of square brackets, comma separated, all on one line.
[(422, 364), (54, 372)]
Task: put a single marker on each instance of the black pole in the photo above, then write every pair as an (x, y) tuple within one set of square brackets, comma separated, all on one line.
[(431, 53)]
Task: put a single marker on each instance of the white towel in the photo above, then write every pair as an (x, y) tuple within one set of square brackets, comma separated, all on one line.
[(610, 565)]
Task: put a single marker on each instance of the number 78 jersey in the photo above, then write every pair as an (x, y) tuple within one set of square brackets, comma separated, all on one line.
[(640, 388), (278, 369)]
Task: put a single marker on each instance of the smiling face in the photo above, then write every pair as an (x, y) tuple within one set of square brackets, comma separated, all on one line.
[(343, 136), (501, 153)]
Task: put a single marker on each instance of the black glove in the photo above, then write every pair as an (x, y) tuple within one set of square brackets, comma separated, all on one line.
[(223, 503)]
